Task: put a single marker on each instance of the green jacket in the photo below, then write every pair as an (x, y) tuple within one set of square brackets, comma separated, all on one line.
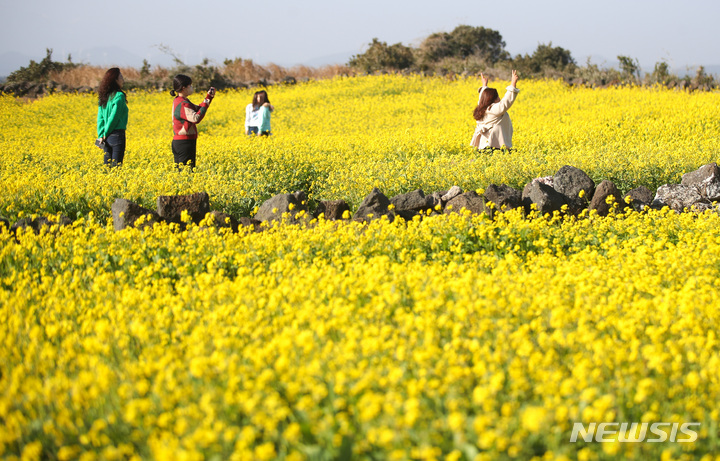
[(113, 116)]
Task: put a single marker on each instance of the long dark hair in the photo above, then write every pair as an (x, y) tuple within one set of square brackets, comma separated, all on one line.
[(487, 99), (179, 82), (108, 86), (263, 98)]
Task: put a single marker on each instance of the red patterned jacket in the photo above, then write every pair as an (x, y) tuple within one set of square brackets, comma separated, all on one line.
[(186, 115)]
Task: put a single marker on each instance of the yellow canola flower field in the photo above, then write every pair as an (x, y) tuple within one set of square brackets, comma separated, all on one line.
[(337, 139), (452, 337)]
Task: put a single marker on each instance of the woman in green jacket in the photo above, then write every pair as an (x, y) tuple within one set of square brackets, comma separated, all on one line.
[(112, 116)]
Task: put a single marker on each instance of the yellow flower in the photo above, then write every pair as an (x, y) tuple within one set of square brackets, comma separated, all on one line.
[(456, 421), (265, 451), (692, 380), (534, 419)]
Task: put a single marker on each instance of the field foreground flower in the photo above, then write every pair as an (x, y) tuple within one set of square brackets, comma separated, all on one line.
[(448, 337)]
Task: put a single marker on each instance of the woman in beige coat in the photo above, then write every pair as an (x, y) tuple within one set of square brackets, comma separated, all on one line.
[(494, 128)]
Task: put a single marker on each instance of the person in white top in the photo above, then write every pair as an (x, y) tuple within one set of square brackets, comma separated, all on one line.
[(494, 128), (252, 118), (257, 115)]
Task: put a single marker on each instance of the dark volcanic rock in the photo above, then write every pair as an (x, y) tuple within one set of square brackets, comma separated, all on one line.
[(704, 173), (125, 213), (37, 224), (599, 201), (413, 203), (678, 197), (374, 206), (332, 210), (503, 198), (707, 180), (246, 223), (640, 198), (569, 181), (222, 220), (274, 208), (545, 198), (170, 207), (470, 201)]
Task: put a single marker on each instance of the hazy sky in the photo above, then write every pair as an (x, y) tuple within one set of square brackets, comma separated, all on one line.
[(684, 34)]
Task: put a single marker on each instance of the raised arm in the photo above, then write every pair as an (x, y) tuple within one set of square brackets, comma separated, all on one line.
[(508, 99), (514, 79), (189, 112), (485, 80)]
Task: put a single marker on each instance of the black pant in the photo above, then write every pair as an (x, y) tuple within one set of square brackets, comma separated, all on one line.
[(185, 152), (253, 130), (493, 150), (114, 148)]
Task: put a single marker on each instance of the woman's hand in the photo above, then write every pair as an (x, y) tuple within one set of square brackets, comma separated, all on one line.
[(485, 80), (514, 78)]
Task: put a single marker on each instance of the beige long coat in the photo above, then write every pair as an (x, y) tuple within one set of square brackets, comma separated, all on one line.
[(495, 129)]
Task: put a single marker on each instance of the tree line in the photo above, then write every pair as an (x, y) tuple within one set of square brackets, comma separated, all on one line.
[(466, 50), (469, 50)]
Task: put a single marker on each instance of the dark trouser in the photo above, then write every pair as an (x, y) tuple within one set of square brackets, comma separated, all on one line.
[(185, 152), (253, 131), (492, 150), (114, 148)]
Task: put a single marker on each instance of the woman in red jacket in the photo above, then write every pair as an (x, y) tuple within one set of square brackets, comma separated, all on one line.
[(186, 116)]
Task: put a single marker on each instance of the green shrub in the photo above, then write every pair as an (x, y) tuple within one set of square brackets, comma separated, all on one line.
[(380, 56), (463, 42), (545, 58), (40, 71)]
